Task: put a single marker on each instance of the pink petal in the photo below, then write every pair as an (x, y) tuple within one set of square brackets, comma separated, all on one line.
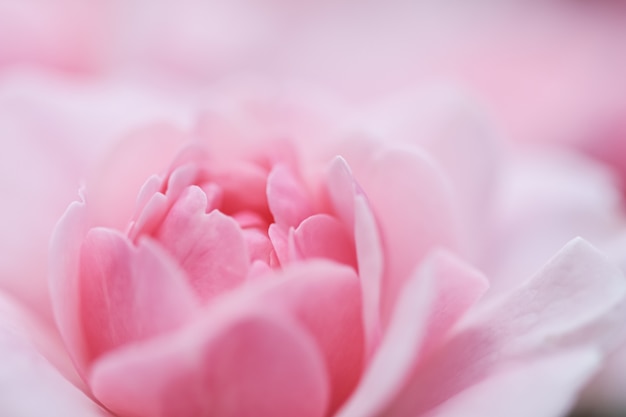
[(341, 189), (323, 236), (287, 197), (353, 209), (32, 387), (129, 294), (235, 363), (243, 187), (430, 303), (575, 301), (209, 247), (413, 204), (543, 387), (258, 244), (371, 264), (325, 297), (36, 378), (283, 241)]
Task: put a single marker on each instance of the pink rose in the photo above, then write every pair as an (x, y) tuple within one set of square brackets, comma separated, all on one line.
[(273, 264)]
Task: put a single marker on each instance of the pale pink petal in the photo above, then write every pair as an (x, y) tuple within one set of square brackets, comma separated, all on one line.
[(32, 387), (64, 279), (115, 186), (36, 374), (209, 247), (323, 236), (371, 268), (234, 363), (129, 294), (431, 302), (287, 197), (353, 209), (341, 189), (415, 210), (570, 303), (543, 387), (452, 129)]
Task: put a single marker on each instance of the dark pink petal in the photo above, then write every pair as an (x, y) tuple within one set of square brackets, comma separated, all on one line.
[(542, 387), (129, 294), (209, 247), (323, 236), (575, 301), (234, 363), (430, 303), (243, 187), (287, 197)]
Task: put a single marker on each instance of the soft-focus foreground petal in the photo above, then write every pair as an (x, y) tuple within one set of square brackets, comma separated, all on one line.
[(539, 388), (240, 365), (30, 386), (430, 303), (576, 301), (287, 346)]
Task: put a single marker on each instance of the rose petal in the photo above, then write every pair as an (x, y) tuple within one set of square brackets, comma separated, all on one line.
[(323, 236), (233, 363), (286, 196), (371, 266), (115, 187), (64, 279), (353, 209), (569, 304), (31, 386), (209, 247), (430, 303), (325, 297), (545, 387), (35, 364), (128, 294), (415, 211), (243, 186)]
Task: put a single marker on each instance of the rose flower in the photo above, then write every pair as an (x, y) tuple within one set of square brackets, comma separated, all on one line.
[(274, 265)]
